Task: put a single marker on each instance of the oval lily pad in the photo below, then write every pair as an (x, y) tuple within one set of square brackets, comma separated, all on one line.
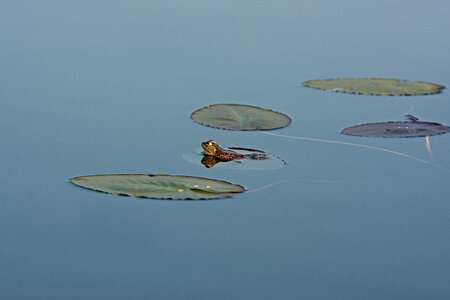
[(159, 186), (397, 129), (240, 117), (376, 86)]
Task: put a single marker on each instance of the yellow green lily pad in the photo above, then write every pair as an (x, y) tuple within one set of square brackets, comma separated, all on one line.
[(376, 86), (159, 186), (240, 117)]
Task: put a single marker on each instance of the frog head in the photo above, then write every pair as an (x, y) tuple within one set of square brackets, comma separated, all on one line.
[(210, 147)]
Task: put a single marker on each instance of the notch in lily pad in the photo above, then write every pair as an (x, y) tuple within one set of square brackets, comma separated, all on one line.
[(159, 186), (376, 86), (397, 129), (240, 117)]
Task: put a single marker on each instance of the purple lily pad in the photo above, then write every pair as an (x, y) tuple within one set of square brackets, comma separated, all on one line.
[(397, 129)]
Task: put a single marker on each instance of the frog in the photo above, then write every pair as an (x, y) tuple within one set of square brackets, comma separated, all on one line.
[(214, 153)]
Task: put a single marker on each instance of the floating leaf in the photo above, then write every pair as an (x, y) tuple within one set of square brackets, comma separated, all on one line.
[(159, 186), (376, 86), (397, 129), (240, 117)]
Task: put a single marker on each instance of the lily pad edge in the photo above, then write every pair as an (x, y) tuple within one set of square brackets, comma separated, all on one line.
[(439, 87), (239, 104), (222, 195)]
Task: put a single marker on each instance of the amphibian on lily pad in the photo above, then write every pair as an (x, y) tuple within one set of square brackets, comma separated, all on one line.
[(397, 129), (174, 187), (240, 117), (376, 86)]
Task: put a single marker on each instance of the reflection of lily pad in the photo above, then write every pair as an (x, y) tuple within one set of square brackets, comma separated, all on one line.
[(159, 186), (376, 86), (240, 117), (397, 129)]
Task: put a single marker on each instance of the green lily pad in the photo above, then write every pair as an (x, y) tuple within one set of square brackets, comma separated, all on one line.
[(375, 86), (159, 186), (240, 117)]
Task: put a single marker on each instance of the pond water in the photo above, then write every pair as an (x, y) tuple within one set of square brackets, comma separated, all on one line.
[(91, 87)]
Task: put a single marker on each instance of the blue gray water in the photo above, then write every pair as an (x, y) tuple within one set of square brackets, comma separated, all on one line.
[(90, 87)]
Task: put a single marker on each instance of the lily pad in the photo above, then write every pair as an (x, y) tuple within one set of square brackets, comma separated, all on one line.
[(159, 186), (376, 86), (240, 117), (397, 129)]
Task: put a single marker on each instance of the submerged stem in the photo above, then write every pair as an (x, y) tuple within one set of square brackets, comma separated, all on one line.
[(357, 145), (305, 180)]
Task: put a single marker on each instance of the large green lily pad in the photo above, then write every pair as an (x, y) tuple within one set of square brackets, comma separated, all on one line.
[(240, 117), (159, 186), (376, 86)]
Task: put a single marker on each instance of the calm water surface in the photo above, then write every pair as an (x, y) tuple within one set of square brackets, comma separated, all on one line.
[(91, 87)]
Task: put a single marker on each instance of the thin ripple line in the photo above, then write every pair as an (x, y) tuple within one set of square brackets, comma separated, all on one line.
[(357, 145)]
